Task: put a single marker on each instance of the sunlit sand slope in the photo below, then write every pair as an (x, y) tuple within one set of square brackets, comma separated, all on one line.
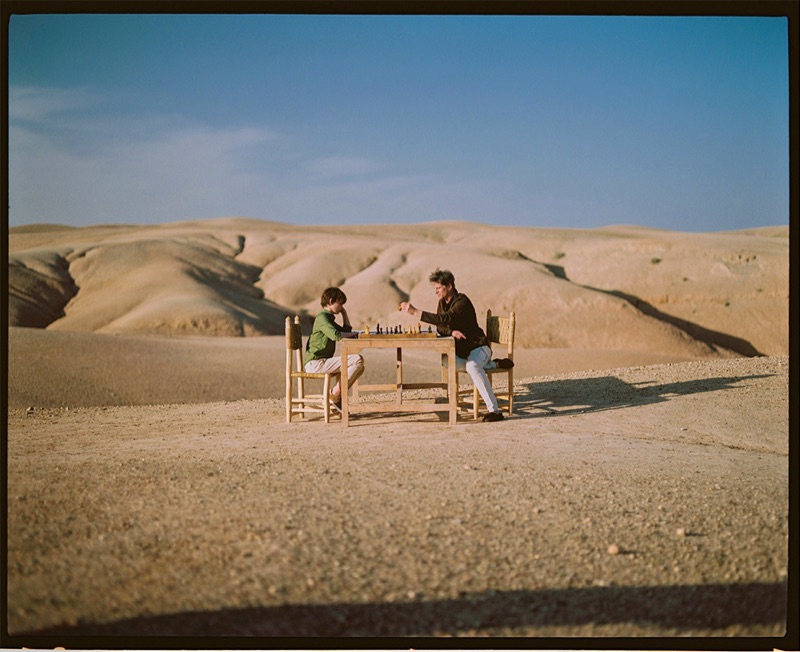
[(617, 288)]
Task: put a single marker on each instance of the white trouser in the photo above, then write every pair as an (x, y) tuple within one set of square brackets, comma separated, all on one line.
[(475, 365), (355, 367)]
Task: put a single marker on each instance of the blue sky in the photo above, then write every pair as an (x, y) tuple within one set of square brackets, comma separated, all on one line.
[(569, 121)]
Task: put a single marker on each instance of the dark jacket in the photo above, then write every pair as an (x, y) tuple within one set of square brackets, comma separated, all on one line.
[(458, 315)]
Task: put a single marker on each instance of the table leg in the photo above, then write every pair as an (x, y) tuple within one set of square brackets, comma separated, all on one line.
[(399, 379), (343, 386), (452, 386)]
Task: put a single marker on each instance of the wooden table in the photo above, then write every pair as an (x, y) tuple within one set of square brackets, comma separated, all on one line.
[(442, 345)]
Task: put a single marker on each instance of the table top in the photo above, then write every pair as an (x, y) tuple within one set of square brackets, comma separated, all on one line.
[(400, 341)]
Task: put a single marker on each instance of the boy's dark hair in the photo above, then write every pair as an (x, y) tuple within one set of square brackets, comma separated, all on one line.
[(332, 295), (443, 276)]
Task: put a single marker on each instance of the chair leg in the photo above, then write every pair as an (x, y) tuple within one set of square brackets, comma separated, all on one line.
[(326, 404), (301, 394), (510, 393), (475, 402)]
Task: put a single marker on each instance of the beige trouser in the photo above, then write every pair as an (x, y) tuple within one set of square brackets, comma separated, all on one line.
[(355, 367)]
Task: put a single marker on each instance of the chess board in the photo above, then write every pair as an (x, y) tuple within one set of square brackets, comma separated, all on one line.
[(394, 336)]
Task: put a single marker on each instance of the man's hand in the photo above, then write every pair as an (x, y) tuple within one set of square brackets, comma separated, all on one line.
[(459, 335), (407, 307)]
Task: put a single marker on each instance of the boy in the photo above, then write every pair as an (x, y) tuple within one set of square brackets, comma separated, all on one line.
[(321, 345)]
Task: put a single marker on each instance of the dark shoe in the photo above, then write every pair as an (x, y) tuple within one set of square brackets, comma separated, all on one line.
[(503, 363), (337, 405), (494, 416)]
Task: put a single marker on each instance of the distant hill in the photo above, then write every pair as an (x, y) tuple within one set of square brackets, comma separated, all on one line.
[(621, 288)]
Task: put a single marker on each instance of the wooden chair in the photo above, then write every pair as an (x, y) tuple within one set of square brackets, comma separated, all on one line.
[(303, 403), (499, 330)]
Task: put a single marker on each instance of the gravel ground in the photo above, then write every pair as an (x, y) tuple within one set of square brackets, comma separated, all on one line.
[(641, 502)]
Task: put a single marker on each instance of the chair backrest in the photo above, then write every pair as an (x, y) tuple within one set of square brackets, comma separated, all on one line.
[(500, 330), (294, 339), (294, 344)]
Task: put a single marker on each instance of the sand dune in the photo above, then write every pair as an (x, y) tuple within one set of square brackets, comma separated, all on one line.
[(621, 288), (585, 299)]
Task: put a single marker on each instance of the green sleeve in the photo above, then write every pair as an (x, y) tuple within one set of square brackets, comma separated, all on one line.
[(329, 328)]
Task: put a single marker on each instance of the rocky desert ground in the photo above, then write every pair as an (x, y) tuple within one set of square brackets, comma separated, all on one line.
[(639, 493)]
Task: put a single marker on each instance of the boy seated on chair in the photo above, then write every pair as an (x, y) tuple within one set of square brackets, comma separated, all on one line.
[(321, 345)]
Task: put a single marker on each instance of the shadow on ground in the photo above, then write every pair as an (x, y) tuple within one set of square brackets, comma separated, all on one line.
[(674, 609), (580, 395), (577, 396)]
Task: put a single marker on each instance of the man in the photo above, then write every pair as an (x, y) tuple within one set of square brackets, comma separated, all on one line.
[(455, 315), (321, 345)]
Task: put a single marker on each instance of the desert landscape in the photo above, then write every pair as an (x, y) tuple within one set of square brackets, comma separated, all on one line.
[(640, 489)]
